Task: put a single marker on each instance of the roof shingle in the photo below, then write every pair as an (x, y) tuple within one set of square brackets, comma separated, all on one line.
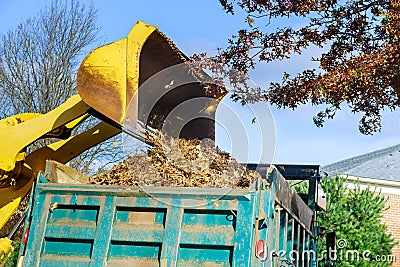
[(383, 164)]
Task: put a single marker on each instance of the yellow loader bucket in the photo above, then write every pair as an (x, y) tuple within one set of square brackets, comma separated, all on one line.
[(110, 75)]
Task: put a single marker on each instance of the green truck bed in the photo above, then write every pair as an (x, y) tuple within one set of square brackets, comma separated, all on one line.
[(91, 225)]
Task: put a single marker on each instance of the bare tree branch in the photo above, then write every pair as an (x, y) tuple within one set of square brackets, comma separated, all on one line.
[(38, 63)]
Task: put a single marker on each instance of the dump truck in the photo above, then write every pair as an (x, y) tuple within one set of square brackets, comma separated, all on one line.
[(92, 225)]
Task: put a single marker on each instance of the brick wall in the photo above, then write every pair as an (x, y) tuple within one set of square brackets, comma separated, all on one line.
[(391, 218)]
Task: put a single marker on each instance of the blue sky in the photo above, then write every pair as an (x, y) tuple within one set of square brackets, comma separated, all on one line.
[(197, 26)]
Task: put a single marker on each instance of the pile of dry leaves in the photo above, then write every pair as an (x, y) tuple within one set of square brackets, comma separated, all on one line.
[(185, 163)]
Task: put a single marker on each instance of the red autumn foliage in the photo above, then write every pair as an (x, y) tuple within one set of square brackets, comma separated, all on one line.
[(361, 67)]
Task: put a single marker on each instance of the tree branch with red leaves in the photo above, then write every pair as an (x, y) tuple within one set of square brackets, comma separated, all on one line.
[(361, 68)]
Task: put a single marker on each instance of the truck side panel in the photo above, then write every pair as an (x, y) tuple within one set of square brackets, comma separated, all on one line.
[(89, 225)]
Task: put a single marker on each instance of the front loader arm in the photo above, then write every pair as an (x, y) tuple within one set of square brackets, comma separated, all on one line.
[(65, 150), (19, 136), (17, 133), (61, 151)]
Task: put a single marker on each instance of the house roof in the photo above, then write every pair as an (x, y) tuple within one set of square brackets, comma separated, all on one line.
[(383, 164)]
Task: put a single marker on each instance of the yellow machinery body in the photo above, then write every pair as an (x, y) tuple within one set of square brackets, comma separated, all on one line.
[(108, 79)]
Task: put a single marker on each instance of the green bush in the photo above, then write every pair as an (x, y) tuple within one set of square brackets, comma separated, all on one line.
[(355, 215)]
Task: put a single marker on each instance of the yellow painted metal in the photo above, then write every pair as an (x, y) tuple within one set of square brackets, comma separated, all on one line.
[(5, 247), (5, 214), (24, 185), (109, 76), (23, 134), (76, 122), (19, 118), (64, 150), (64, 131), (61, 151), (23, 129), (8, 210)]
